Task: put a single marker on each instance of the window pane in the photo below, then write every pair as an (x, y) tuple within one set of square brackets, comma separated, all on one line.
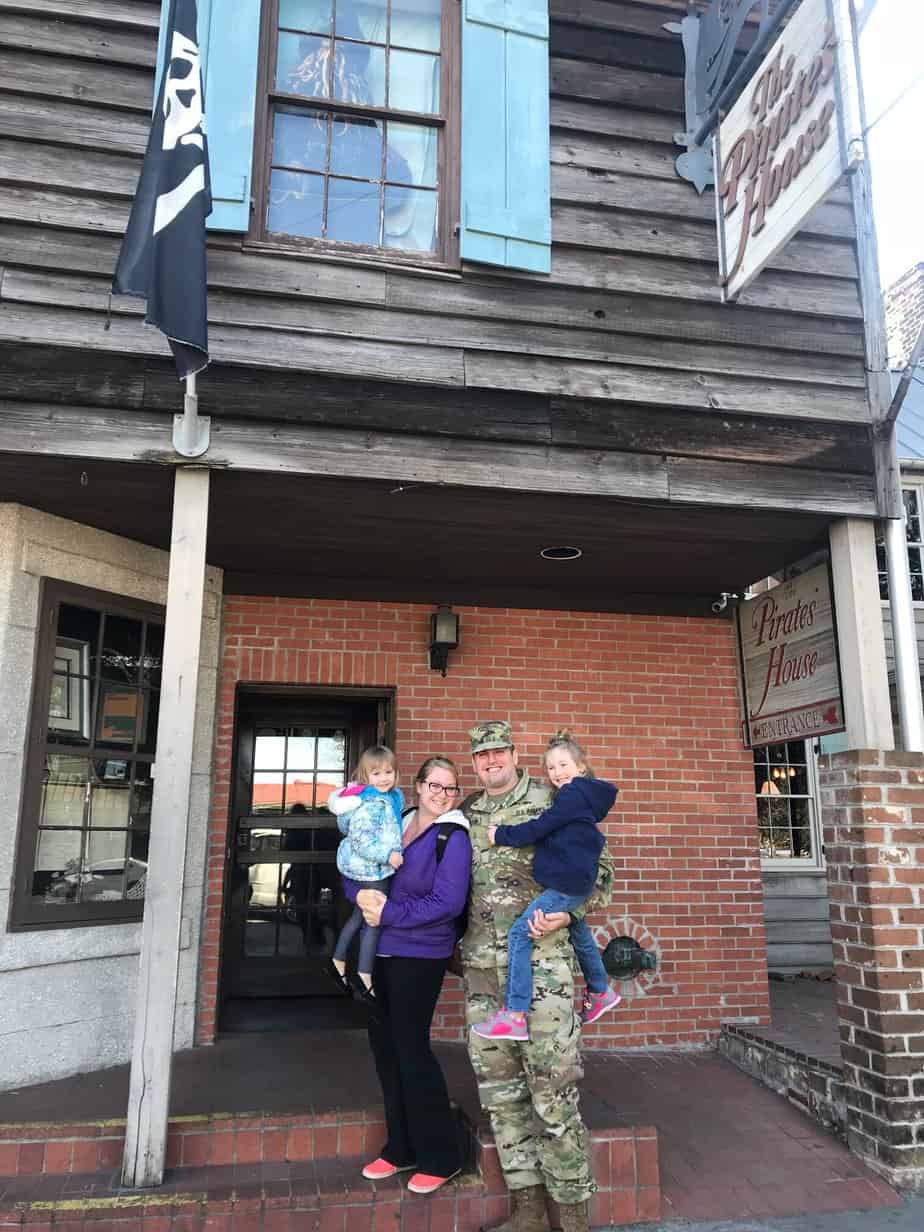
[(150, 713), (361, 19), (332, 751), (153, 655), (269, 749), (267, 793), (353, 211), (302, 65), (312, 15), (301, 749), (80, 624), (121, 649), (300, 140), (296, 204), (299, 790), (69, 700), (917, 580), (412, 154), (358, 73), (57, 865), (64, 790), (104, 868), (109, 805), (356, 148), (416, 23), (120, 712), (326, 782), (142, 791), (410, 219), (414, 82)]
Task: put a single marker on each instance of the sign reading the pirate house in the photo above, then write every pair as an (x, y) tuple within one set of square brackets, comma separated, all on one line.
[(786, 142), (789, 661)]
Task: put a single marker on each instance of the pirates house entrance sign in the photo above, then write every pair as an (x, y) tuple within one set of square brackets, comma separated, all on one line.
[(789, 663)]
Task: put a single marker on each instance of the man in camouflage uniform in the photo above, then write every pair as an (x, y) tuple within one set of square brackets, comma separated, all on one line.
[(528, 1089)]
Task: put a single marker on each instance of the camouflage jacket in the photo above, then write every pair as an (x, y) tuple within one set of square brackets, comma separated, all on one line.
[(502, 877)]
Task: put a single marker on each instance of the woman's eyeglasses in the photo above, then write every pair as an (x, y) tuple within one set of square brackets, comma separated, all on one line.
[(439, 790)]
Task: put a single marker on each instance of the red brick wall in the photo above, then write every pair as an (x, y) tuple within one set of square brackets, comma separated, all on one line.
[(654, 699)]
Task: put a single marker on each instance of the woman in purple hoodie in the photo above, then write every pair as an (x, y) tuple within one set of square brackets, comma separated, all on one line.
[(419, 923)]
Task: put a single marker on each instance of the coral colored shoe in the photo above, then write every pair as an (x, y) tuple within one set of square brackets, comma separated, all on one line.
[(596, 1004), (423, 1183), (503, 1025), (380, 1169)]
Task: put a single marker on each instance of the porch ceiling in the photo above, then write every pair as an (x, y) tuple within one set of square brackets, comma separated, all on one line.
[(360, 538)]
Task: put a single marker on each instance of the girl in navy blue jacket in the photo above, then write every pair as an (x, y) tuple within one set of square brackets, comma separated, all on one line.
[(568, 845)]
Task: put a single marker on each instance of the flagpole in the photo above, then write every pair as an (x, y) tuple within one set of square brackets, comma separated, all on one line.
[(191, 431)]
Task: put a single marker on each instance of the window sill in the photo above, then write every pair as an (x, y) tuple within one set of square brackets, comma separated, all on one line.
[(59, 925), (413, 265)]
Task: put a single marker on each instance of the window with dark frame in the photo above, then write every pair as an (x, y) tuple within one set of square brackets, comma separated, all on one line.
[(358, 97), (86, 809), (914, 534), (785, 801)]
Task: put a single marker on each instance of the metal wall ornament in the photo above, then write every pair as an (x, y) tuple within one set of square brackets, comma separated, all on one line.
[(709, 43)]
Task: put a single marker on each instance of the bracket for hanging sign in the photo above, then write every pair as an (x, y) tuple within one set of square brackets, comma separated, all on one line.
[(709, 44)]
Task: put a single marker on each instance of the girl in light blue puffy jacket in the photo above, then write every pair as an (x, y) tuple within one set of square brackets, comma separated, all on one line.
[(368, 812)]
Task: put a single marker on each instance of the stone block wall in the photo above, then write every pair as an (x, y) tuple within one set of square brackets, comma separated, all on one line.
[(873, 818)]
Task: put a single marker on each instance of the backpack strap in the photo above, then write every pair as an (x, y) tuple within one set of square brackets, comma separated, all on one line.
[(444, 832)]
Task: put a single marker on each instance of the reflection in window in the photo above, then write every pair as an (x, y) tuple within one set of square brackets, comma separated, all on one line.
[(911, 498), (784, 801), (367, 179), (94, 807), (296, 768)]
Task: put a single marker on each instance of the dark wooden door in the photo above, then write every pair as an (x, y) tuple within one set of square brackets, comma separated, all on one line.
[(285, 904)]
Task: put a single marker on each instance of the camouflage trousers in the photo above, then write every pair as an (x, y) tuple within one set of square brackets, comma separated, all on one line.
[(530, 1090)]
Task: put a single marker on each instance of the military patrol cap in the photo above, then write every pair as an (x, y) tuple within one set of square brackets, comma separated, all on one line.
[(492, 734)]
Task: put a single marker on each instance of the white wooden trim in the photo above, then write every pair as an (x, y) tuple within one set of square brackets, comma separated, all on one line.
[(152, 1052)]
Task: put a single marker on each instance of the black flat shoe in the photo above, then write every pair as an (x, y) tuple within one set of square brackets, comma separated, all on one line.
[(361, 992), (329, 968)]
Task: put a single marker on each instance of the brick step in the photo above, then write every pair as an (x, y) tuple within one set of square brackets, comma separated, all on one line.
[(267, 1169)]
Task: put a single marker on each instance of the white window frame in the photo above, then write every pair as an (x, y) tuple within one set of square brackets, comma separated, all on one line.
[(918, 489), (816, 861)]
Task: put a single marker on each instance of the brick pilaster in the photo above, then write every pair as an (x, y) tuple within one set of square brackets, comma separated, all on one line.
[(873, 816)]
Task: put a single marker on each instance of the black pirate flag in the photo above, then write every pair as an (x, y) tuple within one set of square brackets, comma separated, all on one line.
[(163, 252)]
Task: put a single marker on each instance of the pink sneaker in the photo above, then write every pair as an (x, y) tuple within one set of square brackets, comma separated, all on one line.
[(380, 1169), (596, 1004), (424, 1183), (503, 1025)]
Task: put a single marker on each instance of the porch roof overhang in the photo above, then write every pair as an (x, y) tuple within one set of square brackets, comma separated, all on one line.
[(434, 528)]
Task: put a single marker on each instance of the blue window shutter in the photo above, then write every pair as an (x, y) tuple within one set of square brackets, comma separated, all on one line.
[(229, 44), (506, 211)]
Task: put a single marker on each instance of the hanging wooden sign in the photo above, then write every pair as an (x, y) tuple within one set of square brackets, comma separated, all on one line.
[(787, 141), (789, 662)]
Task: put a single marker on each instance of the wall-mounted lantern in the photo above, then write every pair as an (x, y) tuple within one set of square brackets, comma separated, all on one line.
[(444, 636)]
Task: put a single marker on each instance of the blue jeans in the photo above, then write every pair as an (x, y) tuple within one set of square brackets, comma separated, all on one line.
[(520, 949)]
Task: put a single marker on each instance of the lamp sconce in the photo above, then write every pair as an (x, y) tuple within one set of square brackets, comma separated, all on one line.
[(444, 636)]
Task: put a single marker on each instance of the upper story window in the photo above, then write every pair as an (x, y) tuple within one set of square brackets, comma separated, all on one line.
[(357, 142), (86, 807), (912, 498)]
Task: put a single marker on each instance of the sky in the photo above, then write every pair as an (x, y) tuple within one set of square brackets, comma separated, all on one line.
[(892, 55)]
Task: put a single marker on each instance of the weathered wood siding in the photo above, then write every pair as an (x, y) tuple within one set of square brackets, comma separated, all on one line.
[(797, 922), (631, 304)]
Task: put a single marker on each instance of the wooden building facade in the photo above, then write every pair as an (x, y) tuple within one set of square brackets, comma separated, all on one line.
[(390, 429)]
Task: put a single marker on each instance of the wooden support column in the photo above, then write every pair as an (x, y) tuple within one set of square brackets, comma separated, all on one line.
[(152, 1052), (864, 675)]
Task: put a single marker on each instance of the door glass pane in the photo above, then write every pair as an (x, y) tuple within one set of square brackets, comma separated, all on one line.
[(57, 865), (331, 750), (263, 901), (269, 751), (326, 782), (299, 790), (267, 792), (64, 790), (300, 751), (263, 840), (121, 649)]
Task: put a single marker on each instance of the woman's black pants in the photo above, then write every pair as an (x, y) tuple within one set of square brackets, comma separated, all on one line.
[(420, 1125)]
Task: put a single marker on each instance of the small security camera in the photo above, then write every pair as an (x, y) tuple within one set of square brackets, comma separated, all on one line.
[(720, 604)]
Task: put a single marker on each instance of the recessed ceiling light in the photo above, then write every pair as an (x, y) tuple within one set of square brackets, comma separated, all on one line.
[(561, 553)]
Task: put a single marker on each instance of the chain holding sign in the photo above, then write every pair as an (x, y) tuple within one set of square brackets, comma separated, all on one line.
[(788, 140), (789, 661)]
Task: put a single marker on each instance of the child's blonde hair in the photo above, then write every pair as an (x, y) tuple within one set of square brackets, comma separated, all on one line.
[(563, 739), (373, 758)]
